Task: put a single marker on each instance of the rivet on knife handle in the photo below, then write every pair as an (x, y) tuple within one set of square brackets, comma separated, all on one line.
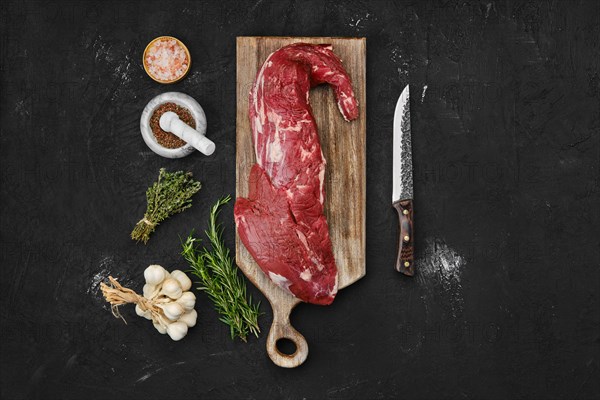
[(405, 259)]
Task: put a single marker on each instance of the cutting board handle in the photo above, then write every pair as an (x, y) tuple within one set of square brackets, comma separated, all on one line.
[(283, 329)]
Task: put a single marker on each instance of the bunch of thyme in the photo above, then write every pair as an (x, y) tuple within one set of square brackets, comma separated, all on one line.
[(170, 194), (219, 278)]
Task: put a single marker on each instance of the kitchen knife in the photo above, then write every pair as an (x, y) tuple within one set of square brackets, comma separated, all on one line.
[(402, 190)]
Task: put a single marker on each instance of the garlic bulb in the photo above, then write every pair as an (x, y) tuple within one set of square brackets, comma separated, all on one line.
[(172, 310), (150, 291), (169, 292), (187, 300), (146, 314), (160, 328), (155, 274), (177, 330), (189, 318), (182, 278), (171, 288)]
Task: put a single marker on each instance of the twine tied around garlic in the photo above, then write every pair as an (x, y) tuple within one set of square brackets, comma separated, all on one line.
[(117, 295)]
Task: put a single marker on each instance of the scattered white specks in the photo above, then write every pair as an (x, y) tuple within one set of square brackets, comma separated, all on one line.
[(402, 62), (441, 261), (194, 78), (21, 108), (423, 94), (122, 74), (116, 57), (441, 267), (400, 74), (101, 50), (106, 265), (396, 55), (355, 21), (123, 71)]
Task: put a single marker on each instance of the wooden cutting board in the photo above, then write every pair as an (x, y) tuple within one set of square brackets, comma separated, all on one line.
[(344, 148)]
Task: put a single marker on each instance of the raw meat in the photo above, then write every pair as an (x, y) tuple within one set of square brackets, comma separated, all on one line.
[(281, 223)]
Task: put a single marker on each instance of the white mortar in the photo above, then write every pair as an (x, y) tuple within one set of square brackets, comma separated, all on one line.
[(182, 100)]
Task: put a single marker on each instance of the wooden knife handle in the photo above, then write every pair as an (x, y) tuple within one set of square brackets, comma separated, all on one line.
[(405, 259)]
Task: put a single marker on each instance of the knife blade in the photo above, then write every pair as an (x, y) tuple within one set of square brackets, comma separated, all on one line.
[(402, 189)]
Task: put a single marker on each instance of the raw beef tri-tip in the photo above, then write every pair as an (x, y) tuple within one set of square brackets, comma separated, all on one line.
[(281, 223)]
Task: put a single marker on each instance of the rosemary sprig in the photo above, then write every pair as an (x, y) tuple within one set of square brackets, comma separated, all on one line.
[(170, 194), (219, 278)]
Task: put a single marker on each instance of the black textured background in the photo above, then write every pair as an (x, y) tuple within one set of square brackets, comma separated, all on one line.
[(506, 148)]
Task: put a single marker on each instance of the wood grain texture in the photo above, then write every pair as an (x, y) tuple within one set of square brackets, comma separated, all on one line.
[(344, 148), (405, 259)]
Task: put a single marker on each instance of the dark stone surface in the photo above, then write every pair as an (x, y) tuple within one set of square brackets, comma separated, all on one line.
[(506, 147)]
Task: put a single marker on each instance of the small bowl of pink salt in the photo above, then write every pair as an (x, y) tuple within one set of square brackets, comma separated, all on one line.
[(167, 59)]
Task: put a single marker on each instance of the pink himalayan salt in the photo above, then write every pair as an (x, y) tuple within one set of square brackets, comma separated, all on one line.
[(166, 60)]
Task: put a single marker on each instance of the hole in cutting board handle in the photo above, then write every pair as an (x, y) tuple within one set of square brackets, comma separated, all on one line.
[(286, 346), (283, 339)]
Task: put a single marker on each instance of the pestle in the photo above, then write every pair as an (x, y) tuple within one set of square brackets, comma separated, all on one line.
[(170, 122)]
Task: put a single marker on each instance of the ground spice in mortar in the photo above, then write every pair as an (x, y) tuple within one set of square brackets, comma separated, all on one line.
[(167, 139)]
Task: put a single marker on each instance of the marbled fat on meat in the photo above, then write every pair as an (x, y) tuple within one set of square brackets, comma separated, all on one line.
[(281, 223)]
